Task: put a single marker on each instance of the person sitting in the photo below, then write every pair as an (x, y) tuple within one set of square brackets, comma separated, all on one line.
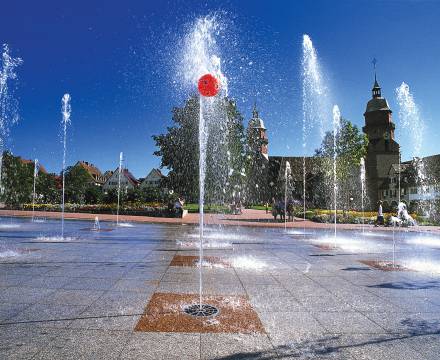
[(238, 207), (178, 207)]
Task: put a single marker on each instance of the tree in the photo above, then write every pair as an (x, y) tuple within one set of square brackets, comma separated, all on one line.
[(226, 154), (351, 146), (179, 150), (47, 189), (152, 193), (16, 180), (77, 184), (93, 194), (110, 197)]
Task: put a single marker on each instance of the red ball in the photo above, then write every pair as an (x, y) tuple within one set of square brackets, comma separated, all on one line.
[(208, 85)]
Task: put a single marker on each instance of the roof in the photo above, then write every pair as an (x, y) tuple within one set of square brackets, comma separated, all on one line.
[(128, 175), (259, 124), (156, 172), (108, 174), (90, 168), (256, 123), (377, 104), (32, 162)]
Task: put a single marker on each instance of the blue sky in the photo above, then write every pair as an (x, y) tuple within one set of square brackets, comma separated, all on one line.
[(116, 60)]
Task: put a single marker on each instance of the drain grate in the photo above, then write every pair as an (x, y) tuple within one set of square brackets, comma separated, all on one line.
[(203, 310)]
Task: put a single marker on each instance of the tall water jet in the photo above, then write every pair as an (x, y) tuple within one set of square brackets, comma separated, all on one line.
[(65, 122), (336, 126), (394, 245), (315, 103), (287, 175), (203, 135), (200, 65), (363, 186), (36, 170), (399, 178), (8, 105), (121, 159), (413, 125)]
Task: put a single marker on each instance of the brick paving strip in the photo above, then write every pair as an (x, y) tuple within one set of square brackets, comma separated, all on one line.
[(192, 261), (252, 218), (384, 265), (164, 313)]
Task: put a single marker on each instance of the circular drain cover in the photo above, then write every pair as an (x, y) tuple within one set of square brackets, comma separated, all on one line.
[(203, 310)]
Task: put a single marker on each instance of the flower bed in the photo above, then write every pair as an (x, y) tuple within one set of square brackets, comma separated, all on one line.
[(141, 209)]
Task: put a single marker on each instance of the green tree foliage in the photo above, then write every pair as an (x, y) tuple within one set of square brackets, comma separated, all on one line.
[(351, 146), (47, 189), (110, 197), (237, 149), (179, 150), (78, 183), (93, 194), (17, 180), (226, 154)]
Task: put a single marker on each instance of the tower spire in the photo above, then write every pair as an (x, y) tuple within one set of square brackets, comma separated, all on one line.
[(255, 111), (376, 88)]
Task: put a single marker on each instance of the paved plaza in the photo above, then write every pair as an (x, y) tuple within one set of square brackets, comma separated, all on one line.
[(82, 297)]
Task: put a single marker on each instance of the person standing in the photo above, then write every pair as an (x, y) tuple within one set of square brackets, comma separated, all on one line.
[(380, 218)]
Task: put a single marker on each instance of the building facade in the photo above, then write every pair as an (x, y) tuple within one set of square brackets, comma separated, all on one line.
[(153, 179), (419, 194), (127, 180), (383, 151)]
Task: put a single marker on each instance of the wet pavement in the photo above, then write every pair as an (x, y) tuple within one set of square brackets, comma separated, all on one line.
[(82, 296)]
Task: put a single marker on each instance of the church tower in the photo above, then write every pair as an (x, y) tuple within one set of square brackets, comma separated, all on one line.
[(257, 160), (257, 134), (383, 150)]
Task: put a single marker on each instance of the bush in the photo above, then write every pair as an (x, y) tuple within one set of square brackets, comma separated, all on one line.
[(320, 218)]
